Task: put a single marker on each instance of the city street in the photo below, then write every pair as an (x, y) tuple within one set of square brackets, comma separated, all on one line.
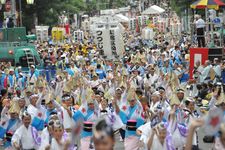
[(94, 67)]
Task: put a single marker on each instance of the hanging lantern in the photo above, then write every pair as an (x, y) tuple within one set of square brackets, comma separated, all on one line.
[(30, 2), (3, 1)]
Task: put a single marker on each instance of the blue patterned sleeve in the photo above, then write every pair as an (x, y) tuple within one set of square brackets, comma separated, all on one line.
[(78, 116), (123, 117)]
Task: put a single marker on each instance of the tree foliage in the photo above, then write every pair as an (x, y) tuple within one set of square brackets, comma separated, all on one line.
[(47, 11)]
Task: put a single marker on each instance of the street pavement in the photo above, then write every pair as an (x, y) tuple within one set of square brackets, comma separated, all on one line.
[(203, 146)]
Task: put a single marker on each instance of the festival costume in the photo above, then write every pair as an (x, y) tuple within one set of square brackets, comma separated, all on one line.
[(8, 127), (88, 116), (27, 138), (132, 118), (38, 114)]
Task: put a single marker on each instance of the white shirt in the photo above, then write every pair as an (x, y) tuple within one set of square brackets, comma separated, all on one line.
[(44, 139), (67, 120), (205, 73), (37, 112), (152, 79), (117, 124), (153, 107), (24, 136), (146, 132), (156, 144), (56, 146), (137, 81), (33, 79), (217, 70), (94, 83), (200, 23), (4, 121)]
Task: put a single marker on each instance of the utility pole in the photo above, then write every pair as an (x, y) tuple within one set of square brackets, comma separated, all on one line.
[(98, 6), (21, 19), (13, 11), (110, 4)]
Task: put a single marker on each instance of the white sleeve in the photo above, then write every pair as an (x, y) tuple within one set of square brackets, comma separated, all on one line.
[(4, 113), (40, 97), (31, 112), (205, 73), (57, 105), (44, 141), (16, 137), (212, 102)]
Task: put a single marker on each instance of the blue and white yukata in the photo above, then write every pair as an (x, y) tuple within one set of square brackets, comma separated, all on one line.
[(8, 126), (88, 117), (132, 117), (38, 114)]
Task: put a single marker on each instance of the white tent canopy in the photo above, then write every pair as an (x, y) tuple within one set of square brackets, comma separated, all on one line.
[(153, 10), (121, 18)]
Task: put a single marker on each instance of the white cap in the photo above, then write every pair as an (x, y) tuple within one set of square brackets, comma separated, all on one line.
[(190, 99), (156, 93), (34, 95), (32, 66)]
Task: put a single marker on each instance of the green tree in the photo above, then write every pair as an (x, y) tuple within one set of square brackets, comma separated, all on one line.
[(47, 11)]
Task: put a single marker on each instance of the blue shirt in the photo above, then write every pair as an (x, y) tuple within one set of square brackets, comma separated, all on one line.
[(70, 71), (184, 78), (101, 73)]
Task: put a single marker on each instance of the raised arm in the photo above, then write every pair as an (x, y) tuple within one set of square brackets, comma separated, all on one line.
[(57, 105), (115, 105), (40, 97), (4, 112), (213, 100), (194, 124), (16, 139), (150, 141)]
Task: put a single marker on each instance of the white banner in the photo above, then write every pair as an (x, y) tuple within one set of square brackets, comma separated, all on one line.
[(42, 33), (78, 36), (148, 34), (132, 24), (102, 39), (145, 20), (75, 17), (110, 41), (140, 21), (116, 40)]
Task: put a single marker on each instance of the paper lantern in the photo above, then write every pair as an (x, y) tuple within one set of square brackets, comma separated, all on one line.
[(30, 2)]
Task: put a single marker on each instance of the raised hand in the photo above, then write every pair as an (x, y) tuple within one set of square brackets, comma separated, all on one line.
[(195, 123)]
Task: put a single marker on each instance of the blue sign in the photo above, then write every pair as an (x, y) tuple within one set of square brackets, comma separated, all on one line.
[(217, 20)]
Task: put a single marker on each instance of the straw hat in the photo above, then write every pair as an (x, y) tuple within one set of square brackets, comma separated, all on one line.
[(174, 99), (89, 95), (5, 102), (6, 71), (131, 94), (14, 107), (221, 99), (108, 96)]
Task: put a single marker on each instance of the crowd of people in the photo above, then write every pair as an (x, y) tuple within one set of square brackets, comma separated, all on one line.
[(147, 98)]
